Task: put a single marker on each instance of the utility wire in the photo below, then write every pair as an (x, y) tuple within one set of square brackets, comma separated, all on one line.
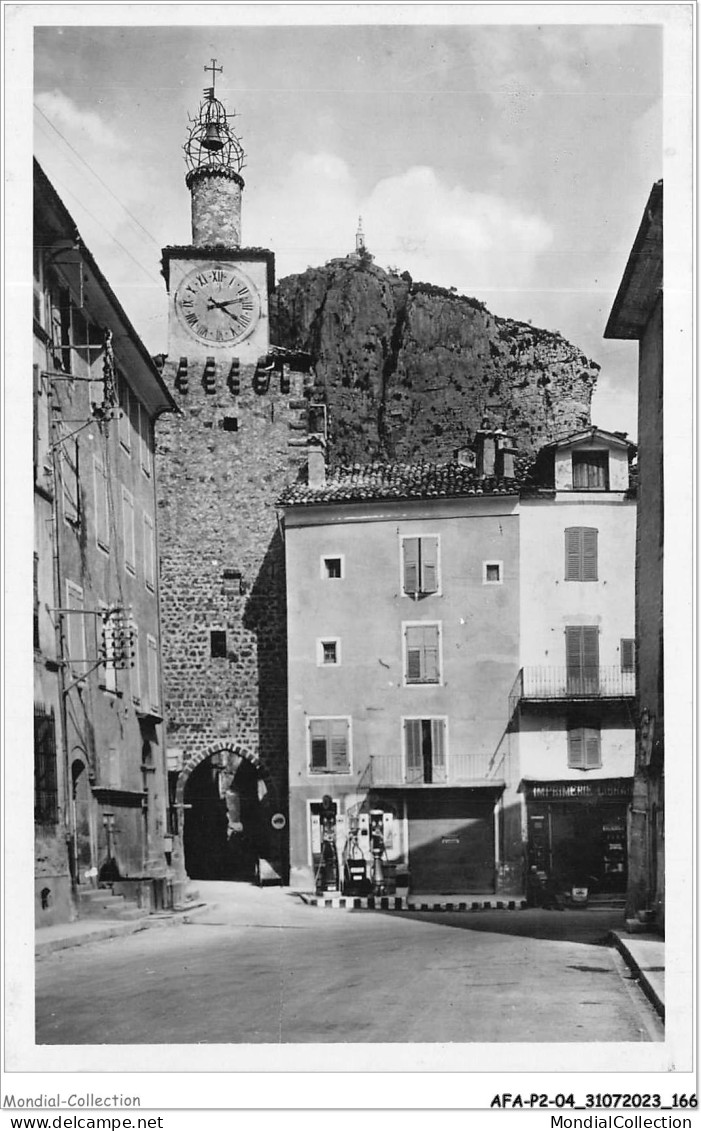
[(92, 216), (96, 175)]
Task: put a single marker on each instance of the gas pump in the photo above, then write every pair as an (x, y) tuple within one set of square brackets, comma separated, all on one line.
[(355, 879), (327, 871), (377, 848)]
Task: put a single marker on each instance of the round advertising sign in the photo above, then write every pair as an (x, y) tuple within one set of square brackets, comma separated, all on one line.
[(278, 820)]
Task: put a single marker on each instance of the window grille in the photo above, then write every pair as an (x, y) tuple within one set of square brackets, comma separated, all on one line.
[(45, 769)]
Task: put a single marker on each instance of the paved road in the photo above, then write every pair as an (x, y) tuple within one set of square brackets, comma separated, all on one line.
[(261, 967)]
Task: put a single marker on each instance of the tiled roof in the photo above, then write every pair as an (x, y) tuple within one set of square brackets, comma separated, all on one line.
[(419, 480)]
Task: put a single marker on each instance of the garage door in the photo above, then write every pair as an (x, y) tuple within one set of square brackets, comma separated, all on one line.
[(451, 844)]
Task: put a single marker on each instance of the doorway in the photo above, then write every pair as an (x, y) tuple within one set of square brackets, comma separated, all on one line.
[(223, 828)]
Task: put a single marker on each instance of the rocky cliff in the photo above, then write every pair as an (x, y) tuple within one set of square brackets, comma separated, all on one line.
[(408, 368)]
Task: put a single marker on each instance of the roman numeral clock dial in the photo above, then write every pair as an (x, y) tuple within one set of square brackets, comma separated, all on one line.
[(217, 305)]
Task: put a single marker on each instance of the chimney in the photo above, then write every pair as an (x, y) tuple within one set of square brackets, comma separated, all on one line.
[(316, 461), (485, 452), (505, 456)]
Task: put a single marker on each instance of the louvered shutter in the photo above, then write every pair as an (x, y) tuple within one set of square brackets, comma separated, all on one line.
[(573, 553), (152, 659), (414, 641), (590, 657), (339, 745), (589, 539), (75, 629), (592, 748), (410, 549), (70, 480), (101, 511), (438, 750), (429, 565), (318, 731), (627, 655), (431, 673), (414, 756), (575, 749), (129, 539)]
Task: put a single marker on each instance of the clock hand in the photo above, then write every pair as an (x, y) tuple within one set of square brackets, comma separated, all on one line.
[(222, 305)]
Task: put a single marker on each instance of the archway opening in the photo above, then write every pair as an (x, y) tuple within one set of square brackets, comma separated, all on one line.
[(223, 835)]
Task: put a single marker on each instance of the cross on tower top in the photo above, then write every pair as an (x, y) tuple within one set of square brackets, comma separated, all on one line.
[(215, 70)]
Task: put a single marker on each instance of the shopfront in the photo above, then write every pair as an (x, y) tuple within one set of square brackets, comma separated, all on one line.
[(577, 832)]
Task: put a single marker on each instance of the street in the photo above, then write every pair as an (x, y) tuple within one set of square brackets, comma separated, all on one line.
[(258, 966)]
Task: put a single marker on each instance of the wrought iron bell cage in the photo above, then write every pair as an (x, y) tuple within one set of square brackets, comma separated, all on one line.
[(211, 141)]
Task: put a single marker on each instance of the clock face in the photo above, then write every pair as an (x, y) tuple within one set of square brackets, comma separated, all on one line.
[(217, 305)]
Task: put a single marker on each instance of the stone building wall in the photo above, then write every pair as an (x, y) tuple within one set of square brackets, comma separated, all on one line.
[(222, 465)]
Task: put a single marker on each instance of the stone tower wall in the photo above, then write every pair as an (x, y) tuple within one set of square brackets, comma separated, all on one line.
[(222, 561), (215, 207)]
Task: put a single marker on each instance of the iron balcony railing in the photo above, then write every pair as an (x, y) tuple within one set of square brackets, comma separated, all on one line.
[(562, 683), (458, 769)]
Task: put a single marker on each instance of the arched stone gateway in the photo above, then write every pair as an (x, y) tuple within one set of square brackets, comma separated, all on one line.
[(227, 799)]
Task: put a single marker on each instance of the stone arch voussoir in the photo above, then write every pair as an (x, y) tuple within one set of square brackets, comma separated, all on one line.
[(196, 759)]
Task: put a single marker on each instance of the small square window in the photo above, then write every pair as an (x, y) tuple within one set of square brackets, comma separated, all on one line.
[(332, 567), (492, 573), (230, 424), (329, 652), (217, 644)]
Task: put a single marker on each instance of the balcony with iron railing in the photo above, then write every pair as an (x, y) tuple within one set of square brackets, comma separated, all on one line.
[(391, 770), (545, 684)]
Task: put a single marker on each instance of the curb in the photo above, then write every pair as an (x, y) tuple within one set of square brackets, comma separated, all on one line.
[(400, 903), (643, 980), (116, 930)]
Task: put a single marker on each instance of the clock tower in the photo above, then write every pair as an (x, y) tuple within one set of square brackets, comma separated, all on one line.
[(224, 460)]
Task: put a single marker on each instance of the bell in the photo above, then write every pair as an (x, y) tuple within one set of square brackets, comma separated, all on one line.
[(212, 139)]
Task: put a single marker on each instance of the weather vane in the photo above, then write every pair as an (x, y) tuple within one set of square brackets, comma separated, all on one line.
[(215, 70)]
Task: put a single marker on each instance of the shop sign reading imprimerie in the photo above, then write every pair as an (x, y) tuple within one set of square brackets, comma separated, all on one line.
[(579, 791)]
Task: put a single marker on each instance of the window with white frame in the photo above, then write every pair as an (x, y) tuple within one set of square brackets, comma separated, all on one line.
[(329, 745), (129, 537), (102, 518), (332, 567), (328, 652), (153, 676), (149, 553), (581, 553), (492, 573), (424, 751), (422, 659), (420, 565), (583, 748)]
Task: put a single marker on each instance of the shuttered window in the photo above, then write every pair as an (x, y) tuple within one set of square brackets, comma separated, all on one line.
[(45, 769), (129, 539), (627, 655), (582, 658), (420, 565), (590, 471), (581, 553), (102, 525), (584, 748), (145, 440), (135, 670), (422, 662), (329, 746), (424, 751)]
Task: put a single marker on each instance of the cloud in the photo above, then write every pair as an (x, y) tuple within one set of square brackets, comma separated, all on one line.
[(441, 233), (83, 125)]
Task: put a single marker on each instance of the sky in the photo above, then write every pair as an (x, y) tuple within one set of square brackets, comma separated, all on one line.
[(512, 161)]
